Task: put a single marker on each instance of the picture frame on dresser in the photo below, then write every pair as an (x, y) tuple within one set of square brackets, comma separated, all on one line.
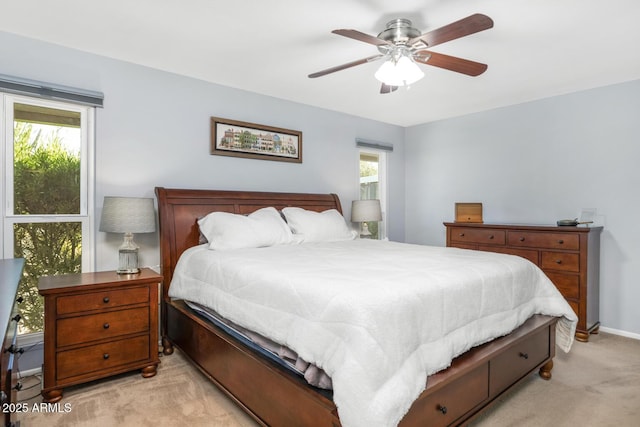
[(569, 256)]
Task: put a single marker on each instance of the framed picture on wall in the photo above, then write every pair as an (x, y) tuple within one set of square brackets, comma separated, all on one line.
[(254, 141)]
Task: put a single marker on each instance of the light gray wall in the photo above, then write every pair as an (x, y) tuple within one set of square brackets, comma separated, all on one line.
[(154, 130), (536, 163)]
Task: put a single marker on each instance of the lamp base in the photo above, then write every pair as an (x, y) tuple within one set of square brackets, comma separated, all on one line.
[(365, 233), (128, 261), (128, 256)]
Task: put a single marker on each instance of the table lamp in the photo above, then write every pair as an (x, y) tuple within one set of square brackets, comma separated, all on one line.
[(128, 215), (363, 211)]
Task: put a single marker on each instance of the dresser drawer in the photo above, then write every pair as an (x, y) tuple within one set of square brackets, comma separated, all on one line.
[(78, 330), (529, 254), (567, 284), (485, 236), (560, 261), (517, 361), (94, 358), (575, 306), (446, 405), (101, 300), (532, 239)]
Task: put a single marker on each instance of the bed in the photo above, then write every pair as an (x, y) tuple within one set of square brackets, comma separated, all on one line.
[(275, 396)]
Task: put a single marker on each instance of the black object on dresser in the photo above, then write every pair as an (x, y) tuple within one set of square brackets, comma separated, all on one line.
[(10, 274), (569, 256)]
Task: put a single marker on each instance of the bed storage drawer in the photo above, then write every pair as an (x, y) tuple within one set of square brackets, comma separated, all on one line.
[(518, 361), (485, 236), (452, 401)]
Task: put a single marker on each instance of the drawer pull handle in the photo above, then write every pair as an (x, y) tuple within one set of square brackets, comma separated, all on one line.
[(442, 409), (524, 355), (491, 237), (558, 261), (105, 300), (106, 326), (560, 241), (522, 239), (14, 350), (105, 356), (461, 234)]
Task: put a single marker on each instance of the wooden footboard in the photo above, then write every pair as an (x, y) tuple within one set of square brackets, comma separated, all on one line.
[(274, 396)]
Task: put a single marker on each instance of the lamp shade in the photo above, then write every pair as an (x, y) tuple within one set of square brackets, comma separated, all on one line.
[(128, 215), (366, 210)]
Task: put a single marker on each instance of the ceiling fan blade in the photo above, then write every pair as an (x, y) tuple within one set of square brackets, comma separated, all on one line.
[(357, 35), (387, 89), (452, 63), (464, 27), (345, 66)]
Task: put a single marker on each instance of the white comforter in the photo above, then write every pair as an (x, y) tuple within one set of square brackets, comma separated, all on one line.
[(378, 317)]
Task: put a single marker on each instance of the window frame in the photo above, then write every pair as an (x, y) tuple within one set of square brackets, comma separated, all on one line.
[(383, 185), (87, 171)]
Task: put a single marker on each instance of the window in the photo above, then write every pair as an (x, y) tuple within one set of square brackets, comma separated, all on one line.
[(47, 193), (373, 168)]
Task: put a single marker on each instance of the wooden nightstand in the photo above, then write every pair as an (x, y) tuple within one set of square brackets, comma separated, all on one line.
[(98, 325)]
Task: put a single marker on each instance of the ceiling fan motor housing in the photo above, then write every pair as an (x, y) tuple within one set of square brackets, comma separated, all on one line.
[(399, 32)]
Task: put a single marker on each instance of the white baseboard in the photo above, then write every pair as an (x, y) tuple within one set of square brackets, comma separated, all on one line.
[(621, 333)]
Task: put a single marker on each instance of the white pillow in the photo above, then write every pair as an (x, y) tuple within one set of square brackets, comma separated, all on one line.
[(327, 226), (264, 227)]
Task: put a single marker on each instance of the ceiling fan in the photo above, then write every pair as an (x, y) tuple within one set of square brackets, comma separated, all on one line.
[(402, 46)]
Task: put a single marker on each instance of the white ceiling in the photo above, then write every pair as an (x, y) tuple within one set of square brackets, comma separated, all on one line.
[(537, 48)]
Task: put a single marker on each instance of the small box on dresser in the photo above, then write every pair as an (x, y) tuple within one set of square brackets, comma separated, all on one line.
[(569, 256), (98, 325)]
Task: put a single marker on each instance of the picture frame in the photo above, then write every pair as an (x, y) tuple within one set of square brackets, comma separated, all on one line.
[(254, 141)]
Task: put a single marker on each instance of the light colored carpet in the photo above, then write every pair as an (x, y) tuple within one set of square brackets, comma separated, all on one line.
[(596, 384)]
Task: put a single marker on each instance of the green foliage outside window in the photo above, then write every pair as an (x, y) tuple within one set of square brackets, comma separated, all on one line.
[(46, 182)]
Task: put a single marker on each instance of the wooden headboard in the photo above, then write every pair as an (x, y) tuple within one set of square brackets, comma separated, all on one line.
[(180, 209)]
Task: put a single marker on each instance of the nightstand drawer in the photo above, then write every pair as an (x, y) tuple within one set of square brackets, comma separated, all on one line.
[(560, 261), (568, 241), (78, 330), (102, 356), (485, 236), (101, 300), (520, 359)]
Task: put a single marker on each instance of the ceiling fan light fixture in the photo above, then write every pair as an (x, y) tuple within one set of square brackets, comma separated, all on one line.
[(402, 72)]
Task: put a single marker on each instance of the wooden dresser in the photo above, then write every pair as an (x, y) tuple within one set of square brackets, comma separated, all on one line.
[(570, 257), (10, 274), (98, 325)]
